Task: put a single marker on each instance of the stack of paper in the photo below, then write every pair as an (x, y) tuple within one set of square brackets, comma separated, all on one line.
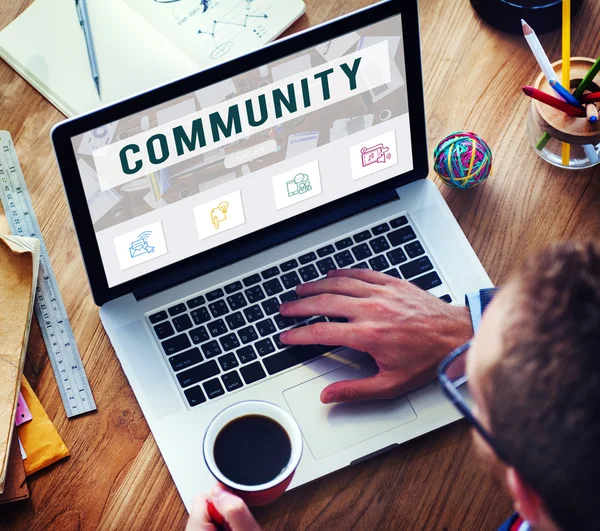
[(19, 263)]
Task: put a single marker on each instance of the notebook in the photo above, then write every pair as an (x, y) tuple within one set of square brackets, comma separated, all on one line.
[(140, 44), (19, 263)]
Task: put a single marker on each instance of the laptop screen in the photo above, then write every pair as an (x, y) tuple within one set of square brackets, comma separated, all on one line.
[(223, 162)]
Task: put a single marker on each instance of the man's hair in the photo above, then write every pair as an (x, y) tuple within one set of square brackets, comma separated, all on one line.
[(544, 395)]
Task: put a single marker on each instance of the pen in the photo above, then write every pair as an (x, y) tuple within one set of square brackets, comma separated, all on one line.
[(564, 93), (84, 21), (554, 102)]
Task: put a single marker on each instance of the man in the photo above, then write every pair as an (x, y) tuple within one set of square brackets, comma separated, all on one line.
[(533, 372)]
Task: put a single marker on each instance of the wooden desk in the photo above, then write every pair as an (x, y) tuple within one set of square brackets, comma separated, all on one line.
[(116, 477)]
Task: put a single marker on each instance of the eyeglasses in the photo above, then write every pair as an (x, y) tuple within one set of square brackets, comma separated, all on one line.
[(453, 379)]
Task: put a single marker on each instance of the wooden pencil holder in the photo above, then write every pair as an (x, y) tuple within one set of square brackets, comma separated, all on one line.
[(548, 128)]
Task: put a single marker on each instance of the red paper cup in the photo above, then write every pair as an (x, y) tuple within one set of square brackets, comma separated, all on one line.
[(255, 494)]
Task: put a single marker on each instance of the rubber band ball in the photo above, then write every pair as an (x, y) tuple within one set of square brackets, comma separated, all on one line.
[(463, 160)]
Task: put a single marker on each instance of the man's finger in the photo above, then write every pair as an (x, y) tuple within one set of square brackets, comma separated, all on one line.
[(199, 518), (375, 387), (234, 510), (324, 304), (331, 334), (366, 275), (340, 285)]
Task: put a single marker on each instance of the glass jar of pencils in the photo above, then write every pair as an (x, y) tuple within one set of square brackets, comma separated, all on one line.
[(562, 139)]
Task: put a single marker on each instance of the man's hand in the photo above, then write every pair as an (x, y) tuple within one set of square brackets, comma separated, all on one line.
[(407, 331), (232, 509)]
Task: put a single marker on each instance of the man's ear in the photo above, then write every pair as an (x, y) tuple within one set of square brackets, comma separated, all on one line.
[(527, 503)]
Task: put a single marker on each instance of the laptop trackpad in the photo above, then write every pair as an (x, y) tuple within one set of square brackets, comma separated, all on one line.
[(328, 429)]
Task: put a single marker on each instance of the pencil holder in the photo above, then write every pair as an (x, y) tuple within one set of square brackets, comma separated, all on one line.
[(548, 128)]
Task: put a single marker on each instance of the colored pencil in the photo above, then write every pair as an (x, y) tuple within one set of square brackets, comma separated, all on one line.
[(564, 93), (592, 97), (591, 153), (589, 77), (538, 51), (592, 113), (546, 98), (566, 66)]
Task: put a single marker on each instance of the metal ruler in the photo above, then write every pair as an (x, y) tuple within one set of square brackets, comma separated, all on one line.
[(49, 307)]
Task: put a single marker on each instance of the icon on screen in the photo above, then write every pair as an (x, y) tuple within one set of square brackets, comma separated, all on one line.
[(219, 214), (141, 246), (379, 154), (299, 185)]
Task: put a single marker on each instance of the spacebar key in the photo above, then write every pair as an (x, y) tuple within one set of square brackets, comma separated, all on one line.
[(294, 356)]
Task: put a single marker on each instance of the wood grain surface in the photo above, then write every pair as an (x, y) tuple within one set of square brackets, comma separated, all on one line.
[(116, 478)]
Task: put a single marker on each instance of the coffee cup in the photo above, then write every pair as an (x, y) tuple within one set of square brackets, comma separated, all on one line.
[(253, 448)]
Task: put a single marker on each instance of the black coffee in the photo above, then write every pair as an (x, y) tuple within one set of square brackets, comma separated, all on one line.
[(252, 450)]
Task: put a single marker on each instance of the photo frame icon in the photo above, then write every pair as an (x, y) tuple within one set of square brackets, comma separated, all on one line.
[(141, 246)]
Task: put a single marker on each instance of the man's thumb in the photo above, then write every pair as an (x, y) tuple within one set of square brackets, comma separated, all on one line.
[(370, 388)]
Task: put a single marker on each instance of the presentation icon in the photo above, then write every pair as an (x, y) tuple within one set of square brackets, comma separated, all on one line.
[(299, 185), (379, 154), (141, 246), (219, 214)]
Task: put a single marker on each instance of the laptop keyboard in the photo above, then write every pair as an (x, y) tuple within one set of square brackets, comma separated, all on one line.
[(227, 338)]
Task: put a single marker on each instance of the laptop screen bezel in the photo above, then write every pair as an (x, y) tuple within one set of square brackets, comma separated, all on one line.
[(272, 235)]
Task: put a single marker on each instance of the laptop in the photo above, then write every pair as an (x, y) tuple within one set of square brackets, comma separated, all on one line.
[(200, 206)]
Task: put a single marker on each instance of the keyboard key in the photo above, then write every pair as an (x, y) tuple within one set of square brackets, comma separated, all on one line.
[(289, 265), (254, 313), (284, 322), (158, 317), (337, 319), (232, 381), (362, 251), (195, 302), (325, 251), (176, 310), (251, 280), (218, 308), (317, 320), (446, 298), (362, 236), (246, 354), (195, 396), (271, 306), (199, 335), (232, 288), (272, 287), (399, 222), (186, 359), (253, 372), (236, 301), (265, 347), (176, 344), (344, 244), (414, 249), (198, 374), (200, 316), (217, 328), (211, 349), (270, 273), (228, 362), (214, 295), (306, 258), (266, 327), (293, 356), (361, 265), (397, 256), (380, 229), (182, 323), (290, 280), (213, 388), (344, 259), (400, 236), (235, 320), (379, 263), (255, 294), (277, 340), (428, 281), (416, 267), (289, 296), (248, 334), (393, 273), (379, 245), (164, 330), (229, 342), (326, 265), (308, 273)]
